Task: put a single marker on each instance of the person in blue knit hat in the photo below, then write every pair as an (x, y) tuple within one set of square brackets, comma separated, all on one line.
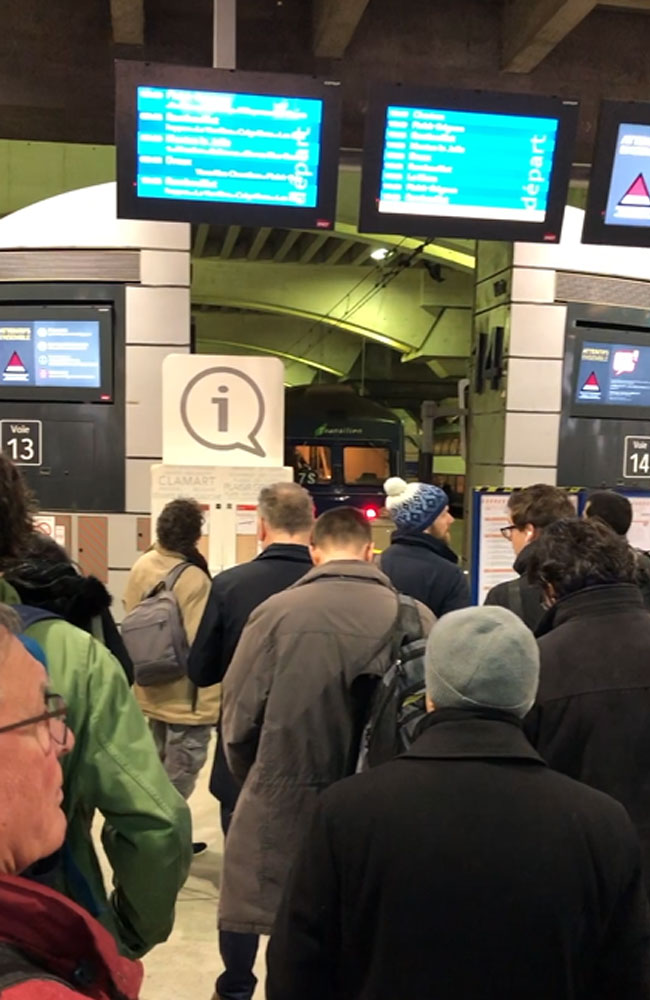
[(419, 560)]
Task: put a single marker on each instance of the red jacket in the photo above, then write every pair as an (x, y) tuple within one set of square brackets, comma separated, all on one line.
[(63, 939)]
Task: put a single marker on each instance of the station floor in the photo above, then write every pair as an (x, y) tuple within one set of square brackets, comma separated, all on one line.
[(186, 966)]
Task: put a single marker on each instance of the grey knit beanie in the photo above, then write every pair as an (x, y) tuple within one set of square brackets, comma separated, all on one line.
[(482, 658)]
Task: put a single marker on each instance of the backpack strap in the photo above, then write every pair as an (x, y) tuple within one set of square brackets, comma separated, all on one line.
[(515, 600), (170, 581), (16, 968), (408, 622), (29, 615)]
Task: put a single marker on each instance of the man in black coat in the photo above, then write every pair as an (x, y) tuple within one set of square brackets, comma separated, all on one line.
[(466, 868), (592, 715), (531, 510), (616, 511), (419, 560), (286, 518)]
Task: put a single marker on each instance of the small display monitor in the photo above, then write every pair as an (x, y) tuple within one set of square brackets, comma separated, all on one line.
[(465, 163), (618, 204), (50, 353), (225, 147), (611, 374)]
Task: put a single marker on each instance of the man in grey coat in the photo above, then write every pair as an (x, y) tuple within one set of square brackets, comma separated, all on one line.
[(294, 702)]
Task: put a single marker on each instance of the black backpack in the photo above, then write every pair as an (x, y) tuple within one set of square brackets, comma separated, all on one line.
[(398, 704)]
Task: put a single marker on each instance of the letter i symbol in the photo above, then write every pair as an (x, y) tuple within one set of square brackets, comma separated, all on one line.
[(222, 406)]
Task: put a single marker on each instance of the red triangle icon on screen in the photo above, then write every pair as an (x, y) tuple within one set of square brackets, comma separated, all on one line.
[(637, 193), (592, 384), (15, 364)]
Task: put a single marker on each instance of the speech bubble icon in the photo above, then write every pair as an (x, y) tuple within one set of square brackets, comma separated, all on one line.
[(223, 408), (625, 362)]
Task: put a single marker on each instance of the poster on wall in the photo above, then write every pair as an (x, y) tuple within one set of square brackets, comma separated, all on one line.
[(639, 533), (493, 555)]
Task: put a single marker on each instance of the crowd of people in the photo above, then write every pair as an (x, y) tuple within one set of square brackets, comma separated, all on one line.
[(504, 853)]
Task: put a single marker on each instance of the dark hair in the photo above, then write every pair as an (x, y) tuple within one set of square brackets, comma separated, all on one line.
[(17, 507), (539, 505), (179, 526), (342, 526), (45, 549), (572, 554), (612, 508), (287, 507)]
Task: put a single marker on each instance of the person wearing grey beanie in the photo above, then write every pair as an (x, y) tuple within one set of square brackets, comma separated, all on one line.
[(483, 658), (466, 868), (419, 560)]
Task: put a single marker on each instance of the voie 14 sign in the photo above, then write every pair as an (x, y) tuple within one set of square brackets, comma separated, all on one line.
[(636, 459)]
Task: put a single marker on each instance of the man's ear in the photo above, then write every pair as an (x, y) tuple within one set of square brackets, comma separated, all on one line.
[(431, 705), (316, 555), (368, 553)]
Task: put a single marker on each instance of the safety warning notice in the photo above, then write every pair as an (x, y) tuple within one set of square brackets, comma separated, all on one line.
[(51, 353), (628, 201)]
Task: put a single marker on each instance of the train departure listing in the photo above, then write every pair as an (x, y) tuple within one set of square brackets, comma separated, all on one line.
[(250, 149), (467, 164), (50, 354)]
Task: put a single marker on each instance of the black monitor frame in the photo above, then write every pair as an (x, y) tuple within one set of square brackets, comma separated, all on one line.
[(35, 311), (131, 75), (383, 95), (612, 115), (605, 333)]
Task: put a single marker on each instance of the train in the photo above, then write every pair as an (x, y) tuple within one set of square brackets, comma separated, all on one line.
[(342, 446)]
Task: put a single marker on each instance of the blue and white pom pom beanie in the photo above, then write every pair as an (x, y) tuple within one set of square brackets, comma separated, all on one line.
[(414, 506)]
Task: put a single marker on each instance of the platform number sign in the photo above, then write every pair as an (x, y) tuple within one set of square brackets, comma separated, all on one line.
[(22, 440), (636, 460)]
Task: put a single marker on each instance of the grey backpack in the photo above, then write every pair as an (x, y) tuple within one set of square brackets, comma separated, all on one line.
[(154, 636)]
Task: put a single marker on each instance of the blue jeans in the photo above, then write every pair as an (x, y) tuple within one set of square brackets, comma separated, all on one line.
[(238, 952)]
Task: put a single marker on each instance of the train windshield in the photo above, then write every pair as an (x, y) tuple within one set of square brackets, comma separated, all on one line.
[(312, 464), (365, 465)]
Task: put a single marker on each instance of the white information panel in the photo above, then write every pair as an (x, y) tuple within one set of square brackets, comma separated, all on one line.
[(223, 410), (495, 555), (639, 533)]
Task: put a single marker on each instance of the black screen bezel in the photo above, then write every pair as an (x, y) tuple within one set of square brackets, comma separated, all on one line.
[(601, 335), (130, 75), (35, 312), (595, 230), (548, 231)]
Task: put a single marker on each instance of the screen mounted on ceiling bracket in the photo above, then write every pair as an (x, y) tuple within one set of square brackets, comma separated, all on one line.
[(618, 204), (225, 147), (469, 164)]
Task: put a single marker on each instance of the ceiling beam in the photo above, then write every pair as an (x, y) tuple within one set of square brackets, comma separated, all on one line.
[(127, 19), (229, 242), (532, 28), (261, 237), (286, 245), (201, 238), (335, 22), (341, 247), (626, 4), (312, 248)]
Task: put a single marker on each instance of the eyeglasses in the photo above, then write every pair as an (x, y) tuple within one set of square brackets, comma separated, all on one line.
[(507, 530), (56, 728)]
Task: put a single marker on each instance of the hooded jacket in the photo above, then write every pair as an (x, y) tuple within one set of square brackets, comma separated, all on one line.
[(425, 568), (115, 769), (293, 713), (82, 600), (43, 935)]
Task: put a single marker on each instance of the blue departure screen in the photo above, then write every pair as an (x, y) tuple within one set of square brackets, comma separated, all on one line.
[(253, 149), (628, 200), (50, 353), (467, 164), (613, 374)]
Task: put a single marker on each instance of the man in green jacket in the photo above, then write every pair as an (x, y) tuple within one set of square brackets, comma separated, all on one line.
[(114, 768)]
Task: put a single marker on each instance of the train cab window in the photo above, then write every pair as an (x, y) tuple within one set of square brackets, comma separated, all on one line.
[(365, 466), (312, 464)]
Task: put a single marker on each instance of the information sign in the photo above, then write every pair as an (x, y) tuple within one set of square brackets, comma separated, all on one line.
[(22, 441)]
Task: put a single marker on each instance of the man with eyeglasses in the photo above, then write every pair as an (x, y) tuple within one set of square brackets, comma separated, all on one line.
[(114, 769), (531, 510), (50, 948)]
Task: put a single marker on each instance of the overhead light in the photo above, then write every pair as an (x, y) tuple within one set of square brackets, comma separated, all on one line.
[(381, 253)]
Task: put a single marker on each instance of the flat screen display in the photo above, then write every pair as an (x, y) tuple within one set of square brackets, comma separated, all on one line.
[(221, 146), (55, 352), (478, 165), (618, 205), (611, 374)]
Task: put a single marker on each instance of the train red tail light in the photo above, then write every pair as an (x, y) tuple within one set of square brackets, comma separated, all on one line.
[(370, 513)]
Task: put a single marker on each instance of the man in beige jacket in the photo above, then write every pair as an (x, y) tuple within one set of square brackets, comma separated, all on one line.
[(181, 716)]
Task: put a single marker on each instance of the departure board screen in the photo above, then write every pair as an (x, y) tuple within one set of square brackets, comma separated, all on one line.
[(226, 147), (253, 149), (50, 353), (613, 375), (628, 200), (467, 164), (473, 164)]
